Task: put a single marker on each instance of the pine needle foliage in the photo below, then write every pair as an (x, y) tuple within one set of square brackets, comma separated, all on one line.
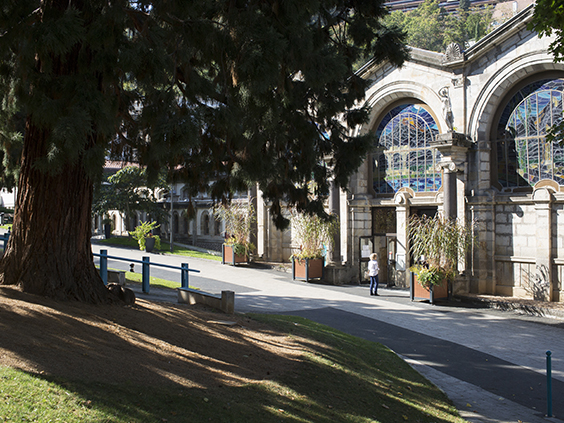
[(228, 92), (218, 94)]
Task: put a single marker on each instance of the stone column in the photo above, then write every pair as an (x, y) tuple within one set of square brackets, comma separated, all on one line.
[(449, 189), (335, 209), (402, 200), (253, 200), (453, 147), (543, 283)]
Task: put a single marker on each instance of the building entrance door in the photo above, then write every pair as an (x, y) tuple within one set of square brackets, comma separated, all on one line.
[(385, 246), (385, 243)]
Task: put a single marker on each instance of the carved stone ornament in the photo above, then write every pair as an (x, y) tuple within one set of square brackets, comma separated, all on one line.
[(448, 167), (447, 108), (458, 82), (453, 52)]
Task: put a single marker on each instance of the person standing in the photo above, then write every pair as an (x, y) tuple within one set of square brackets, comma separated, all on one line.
[(373, 273)]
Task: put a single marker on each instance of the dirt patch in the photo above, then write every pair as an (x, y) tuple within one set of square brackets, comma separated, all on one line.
[(150, 343)]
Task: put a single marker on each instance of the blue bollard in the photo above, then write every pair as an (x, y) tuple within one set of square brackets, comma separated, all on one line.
[(184, 281), (104, 266), (146, 275), (549, 384)]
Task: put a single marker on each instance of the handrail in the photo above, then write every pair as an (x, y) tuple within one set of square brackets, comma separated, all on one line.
[(146, 262), (5, 237)]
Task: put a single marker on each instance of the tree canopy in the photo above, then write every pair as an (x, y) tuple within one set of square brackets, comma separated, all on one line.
[(223, 91), (129, 191), (431, 27), (548, 20)]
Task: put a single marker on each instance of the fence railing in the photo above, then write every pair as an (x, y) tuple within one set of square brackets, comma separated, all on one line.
[(146, 272), (4, 238)]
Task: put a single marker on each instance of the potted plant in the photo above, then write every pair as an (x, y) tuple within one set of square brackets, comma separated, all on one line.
[(146, 240), (238, 218), (314, 234), (436, 243)]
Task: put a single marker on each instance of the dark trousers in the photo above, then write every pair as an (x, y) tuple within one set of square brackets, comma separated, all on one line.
[(373, 285)]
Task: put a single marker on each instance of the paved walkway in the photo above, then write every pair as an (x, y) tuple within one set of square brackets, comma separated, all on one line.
[(492, 364)]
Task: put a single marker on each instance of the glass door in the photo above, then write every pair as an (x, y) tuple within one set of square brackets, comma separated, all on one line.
[(385, 246), (366, 247)]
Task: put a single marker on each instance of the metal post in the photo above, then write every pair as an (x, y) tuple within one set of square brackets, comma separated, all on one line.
[(104, 266), (171, 219), (184, 281), (549, 384), (146, 275)]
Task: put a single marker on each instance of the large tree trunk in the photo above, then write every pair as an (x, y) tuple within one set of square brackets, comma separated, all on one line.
[(49, 252)]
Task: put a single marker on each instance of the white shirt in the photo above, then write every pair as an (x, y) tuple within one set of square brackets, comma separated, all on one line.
[(373, 268)]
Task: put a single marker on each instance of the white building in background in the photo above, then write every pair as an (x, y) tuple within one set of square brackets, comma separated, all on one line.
[(8, 198)]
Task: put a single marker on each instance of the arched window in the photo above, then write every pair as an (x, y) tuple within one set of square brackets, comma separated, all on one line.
[(403, 156), (524, 156)]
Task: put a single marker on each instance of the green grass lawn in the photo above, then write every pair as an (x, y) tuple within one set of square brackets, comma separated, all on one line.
[(340, 378), (165, 248), (136, 278)]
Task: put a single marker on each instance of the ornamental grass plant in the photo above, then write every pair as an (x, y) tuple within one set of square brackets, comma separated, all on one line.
[(238, 218), (312, 233), (437, 243)]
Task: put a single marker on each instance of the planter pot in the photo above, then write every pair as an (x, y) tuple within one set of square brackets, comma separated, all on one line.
[(432, 294), (307, 269), (149, 244), (228, 256), (107, 230)]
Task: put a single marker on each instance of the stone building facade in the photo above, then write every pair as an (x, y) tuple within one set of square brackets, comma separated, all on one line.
[(463, 133)]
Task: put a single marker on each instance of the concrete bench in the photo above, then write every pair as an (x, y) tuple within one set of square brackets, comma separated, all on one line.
[(224, 302), (116, 276)]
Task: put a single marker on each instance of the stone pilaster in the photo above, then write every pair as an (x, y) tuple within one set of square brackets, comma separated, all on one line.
[(402, 200), (453, 147), (335, 209), (543, 282)]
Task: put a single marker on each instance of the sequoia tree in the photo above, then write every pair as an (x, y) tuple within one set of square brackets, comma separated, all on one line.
[(229, 91)]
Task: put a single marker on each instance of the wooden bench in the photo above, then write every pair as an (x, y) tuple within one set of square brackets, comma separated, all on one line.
[(224, 302)]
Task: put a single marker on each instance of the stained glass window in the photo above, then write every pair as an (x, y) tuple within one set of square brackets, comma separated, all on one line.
[(524, 157), (403, 157)]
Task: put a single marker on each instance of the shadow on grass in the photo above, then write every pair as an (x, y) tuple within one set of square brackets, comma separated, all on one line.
[(155, 363)]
